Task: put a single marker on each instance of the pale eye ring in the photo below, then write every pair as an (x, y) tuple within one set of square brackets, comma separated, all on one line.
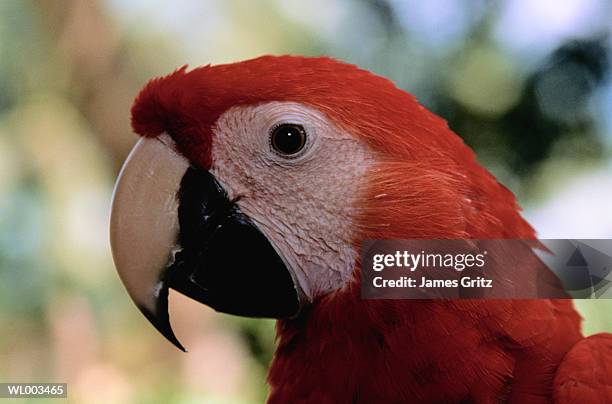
[(288, 139)]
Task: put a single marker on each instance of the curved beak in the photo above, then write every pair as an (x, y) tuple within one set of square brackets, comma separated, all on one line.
[(144, 225), (173, 226)]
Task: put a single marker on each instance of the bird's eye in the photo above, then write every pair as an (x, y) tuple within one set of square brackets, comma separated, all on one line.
[(288, 139)]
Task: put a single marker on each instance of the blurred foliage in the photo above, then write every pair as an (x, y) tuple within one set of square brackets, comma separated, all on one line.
[(526, 84)]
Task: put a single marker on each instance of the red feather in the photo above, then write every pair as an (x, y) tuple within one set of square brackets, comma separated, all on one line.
[(584, 374)]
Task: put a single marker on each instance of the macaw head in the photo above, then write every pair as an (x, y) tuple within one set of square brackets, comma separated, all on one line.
[(253, 184)]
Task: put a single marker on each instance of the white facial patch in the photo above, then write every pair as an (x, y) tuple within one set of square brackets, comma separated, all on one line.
[(304, 205)]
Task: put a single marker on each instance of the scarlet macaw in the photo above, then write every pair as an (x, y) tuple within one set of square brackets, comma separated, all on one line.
[(250, 191)]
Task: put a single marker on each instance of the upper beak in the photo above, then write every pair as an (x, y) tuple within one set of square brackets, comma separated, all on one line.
[(173, 226)]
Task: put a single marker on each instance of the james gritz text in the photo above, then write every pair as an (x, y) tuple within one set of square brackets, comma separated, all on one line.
[(406, 282)]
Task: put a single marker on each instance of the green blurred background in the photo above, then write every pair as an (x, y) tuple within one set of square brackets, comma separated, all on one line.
[(526, 83)]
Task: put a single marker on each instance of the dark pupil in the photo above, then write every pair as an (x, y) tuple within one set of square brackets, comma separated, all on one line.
[(288, 138)]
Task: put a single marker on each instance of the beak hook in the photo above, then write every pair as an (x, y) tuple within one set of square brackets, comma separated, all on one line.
[(161, 320)]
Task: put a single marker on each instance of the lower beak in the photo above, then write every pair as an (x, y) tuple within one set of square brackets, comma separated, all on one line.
[(173, 226)]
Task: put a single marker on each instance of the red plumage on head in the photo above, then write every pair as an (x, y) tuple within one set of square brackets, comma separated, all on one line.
[(353, 97), (426, 184), (417, 149), (187, 103)]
